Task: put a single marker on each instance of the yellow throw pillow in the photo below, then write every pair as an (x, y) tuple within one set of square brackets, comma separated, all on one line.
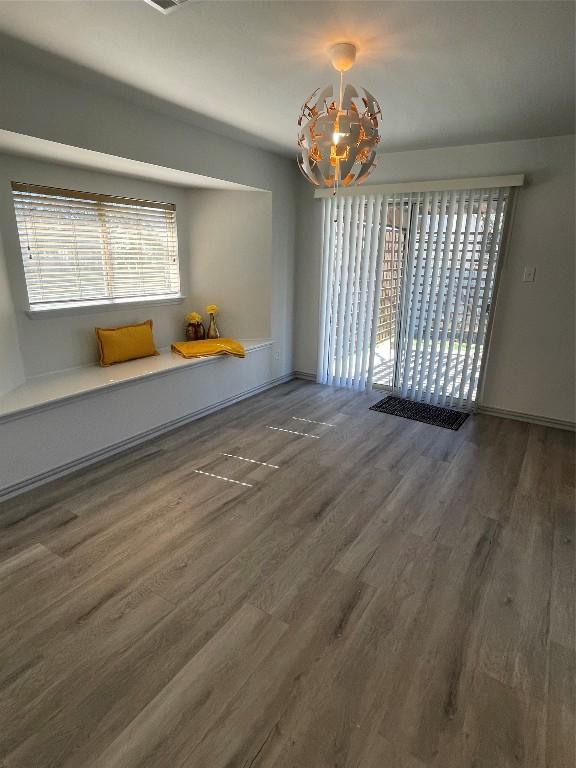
[(125, 343)]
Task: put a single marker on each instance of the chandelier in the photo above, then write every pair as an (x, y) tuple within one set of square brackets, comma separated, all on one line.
[(337, 140)]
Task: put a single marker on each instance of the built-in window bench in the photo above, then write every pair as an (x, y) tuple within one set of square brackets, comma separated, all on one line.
[(52, 388), (56, 422)]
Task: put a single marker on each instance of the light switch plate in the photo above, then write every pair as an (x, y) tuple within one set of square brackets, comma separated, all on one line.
[(529, 275)]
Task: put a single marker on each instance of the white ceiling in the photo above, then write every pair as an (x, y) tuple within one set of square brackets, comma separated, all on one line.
[(445, 73)]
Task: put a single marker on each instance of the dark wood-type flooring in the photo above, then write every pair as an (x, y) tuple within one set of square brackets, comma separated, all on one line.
[(393, 595)]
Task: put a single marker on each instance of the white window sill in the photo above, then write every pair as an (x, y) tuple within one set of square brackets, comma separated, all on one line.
[(92, 307)]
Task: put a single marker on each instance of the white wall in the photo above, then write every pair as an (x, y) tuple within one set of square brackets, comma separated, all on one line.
[(530, 368), (230, 237), (11, 368), (37, 101)]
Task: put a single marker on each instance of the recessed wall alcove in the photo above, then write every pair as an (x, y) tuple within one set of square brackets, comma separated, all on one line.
[(49, 374), (229, 266)]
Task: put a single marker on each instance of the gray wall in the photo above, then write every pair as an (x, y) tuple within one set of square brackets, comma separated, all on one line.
[(230, 236), (530, 367)]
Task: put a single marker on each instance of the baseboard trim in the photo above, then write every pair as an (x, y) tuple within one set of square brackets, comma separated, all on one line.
[(487, 410), (131, 442), (304, 375), (124, 445), (532, 419)]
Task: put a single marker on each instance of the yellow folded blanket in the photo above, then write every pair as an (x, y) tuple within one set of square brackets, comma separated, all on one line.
[(209, 347)]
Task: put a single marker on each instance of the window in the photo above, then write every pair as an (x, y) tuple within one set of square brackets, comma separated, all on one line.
[(81, 249)]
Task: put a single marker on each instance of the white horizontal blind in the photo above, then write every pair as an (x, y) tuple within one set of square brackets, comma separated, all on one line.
[(83, 248), (449, 283), (353, 244)]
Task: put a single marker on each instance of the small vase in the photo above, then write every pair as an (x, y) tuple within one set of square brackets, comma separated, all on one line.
[(195, 332), (213, 332)]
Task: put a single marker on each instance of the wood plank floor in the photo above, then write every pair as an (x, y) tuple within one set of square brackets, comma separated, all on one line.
[(376, 593)]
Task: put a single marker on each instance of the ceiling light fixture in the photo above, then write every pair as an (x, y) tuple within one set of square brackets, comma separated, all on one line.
[(337, 141)]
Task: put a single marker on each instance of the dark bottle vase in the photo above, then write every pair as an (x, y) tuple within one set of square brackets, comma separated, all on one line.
[(213, 332), (195, 332)]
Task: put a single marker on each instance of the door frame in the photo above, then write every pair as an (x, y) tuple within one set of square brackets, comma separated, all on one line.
[(502, 254)]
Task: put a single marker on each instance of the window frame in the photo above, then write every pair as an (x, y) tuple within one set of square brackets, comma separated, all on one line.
[(91, 306)]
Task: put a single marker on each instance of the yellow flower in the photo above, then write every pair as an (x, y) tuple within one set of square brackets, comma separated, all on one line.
[(193, 317), (211, 309)]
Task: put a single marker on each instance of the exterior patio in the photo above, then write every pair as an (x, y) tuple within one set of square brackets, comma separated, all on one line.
[(384, 357)]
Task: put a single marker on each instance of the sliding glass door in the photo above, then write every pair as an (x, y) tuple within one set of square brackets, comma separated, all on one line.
[(399, 213), (407, 287), (447, 290)]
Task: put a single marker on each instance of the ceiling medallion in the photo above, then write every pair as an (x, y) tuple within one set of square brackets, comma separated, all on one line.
[(337, 141)]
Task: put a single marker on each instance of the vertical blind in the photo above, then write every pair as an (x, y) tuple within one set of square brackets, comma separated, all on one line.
[(351, 263), (79, 247), (427, 258), (449, 282)]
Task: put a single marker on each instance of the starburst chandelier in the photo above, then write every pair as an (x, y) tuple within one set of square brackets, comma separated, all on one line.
[(337, 140)]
